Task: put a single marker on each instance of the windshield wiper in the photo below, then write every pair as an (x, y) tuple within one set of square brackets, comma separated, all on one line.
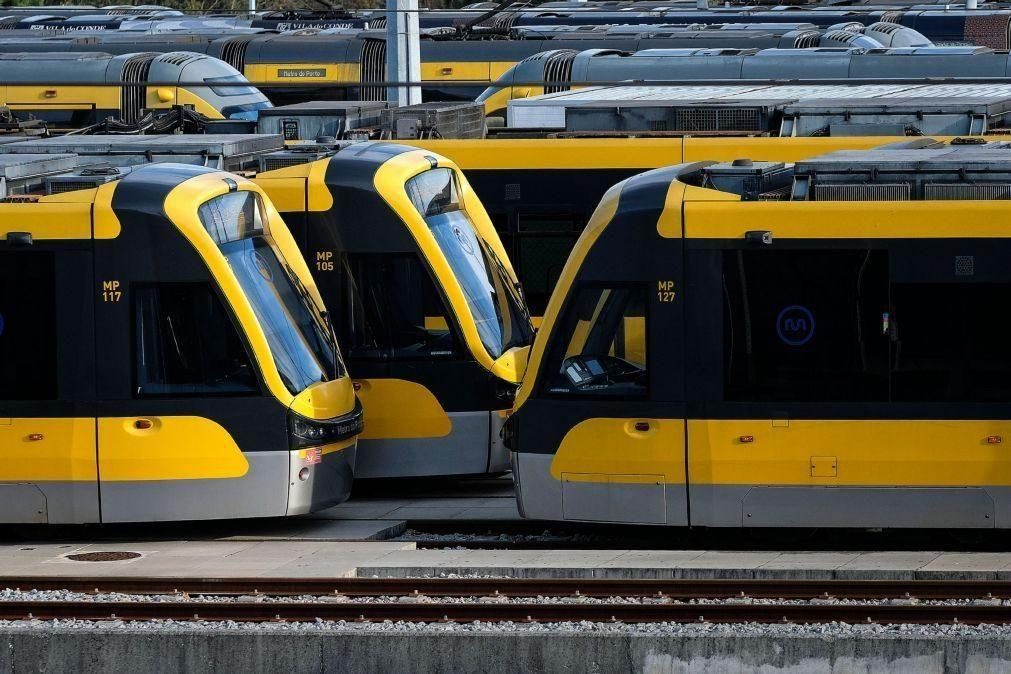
[(327, 325), (516, 290)]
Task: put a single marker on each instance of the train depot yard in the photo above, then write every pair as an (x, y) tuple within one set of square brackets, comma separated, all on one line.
[(595, 335)]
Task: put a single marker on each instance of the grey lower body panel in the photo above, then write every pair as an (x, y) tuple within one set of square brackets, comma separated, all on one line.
[(327, 483), (261, 492), (49, 502), (465, 451), (865, 507), (542, 496), (647, 500)]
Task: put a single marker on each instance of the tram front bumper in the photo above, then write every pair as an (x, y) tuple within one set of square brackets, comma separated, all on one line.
[(320, 477)]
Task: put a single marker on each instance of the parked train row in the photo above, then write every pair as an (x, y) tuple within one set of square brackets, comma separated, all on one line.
[(291, 68), (725, 337), (631, 365)]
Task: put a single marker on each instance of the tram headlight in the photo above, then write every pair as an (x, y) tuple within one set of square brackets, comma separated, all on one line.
[(315, 432)]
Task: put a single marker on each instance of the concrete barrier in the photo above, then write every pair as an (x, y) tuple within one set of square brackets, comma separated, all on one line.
[(247, 651)]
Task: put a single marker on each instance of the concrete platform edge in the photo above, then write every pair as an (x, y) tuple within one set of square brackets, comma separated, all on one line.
[(197, 650)]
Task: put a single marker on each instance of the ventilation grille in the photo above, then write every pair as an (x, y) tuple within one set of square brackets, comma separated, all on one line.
[(558, 68), (373, 69), (890, 17), (9, 24), (53, 187), (966, 191), (271, 163), (886, 28), (177, 58), (807, 40), (840, 37), (234, 52), (780, 194), (719, 119), (377, 23), (879, 192), (133, 95)]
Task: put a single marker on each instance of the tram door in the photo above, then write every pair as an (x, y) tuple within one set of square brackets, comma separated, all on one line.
[(48, 469)]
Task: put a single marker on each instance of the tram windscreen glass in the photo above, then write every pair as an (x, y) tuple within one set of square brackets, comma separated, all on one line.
[(298, 333), (395, 310), (497, 305), (28, 353), (187, 344), (599, 348)]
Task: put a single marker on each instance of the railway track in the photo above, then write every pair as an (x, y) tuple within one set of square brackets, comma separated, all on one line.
[(675, 589), (499, 600), (512, 612)]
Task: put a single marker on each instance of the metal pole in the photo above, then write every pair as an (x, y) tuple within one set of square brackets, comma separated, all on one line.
[(403, 51), (252, 8)]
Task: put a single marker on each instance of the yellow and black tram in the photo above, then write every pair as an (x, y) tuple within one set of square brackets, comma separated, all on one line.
[(759, 345), (429, 311), (164, 356)]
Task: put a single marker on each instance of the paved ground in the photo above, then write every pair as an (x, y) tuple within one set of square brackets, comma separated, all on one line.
[(234, 559), (478, 499), (389, 558)]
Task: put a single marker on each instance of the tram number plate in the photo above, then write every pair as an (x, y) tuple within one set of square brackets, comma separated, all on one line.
[(313, 456), (665, 291)]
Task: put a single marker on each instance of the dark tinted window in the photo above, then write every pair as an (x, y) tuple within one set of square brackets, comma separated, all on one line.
[(805, 325), (186, 343), (951, 342), (395, 309), (545, 242), (27, 326), (600, 346)]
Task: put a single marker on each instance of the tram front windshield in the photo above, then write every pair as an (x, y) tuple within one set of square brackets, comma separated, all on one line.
[(300, 338), (495, 302)]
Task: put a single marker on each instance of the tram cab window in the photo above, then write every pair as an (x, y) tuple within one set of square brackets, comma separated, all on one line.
[(600, 348), (186, 343), (950, 342), (27, 326), (495, 302), (805, 325), (298, 330), (395, 309)]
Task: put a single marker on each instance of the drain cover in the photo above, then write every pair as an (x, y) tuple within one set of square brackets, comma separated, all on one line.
[(103, 556)]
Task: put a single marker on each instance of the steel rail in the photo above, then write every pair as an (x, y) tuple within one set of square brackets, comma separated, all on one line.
[(678, 589), (241, 611)]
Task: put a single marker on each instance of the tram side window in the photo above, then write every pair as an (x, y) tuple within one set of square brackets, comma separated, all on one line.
[(27, 326), (187, 344), (600, 346), (396, 310), (805, 325), (950, 342)]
